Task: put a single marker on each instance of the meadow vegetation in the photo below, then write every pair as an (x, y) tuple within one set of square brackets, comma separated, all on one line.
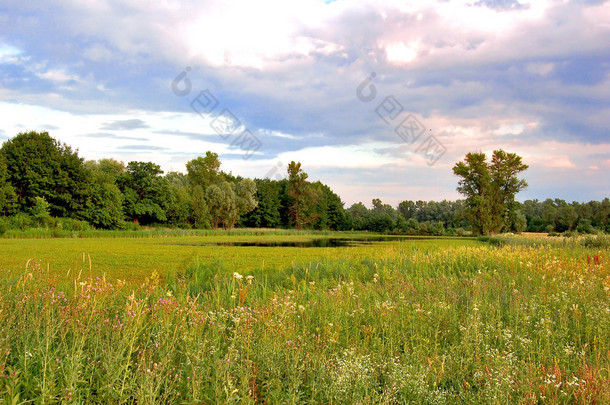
[(434, 321)]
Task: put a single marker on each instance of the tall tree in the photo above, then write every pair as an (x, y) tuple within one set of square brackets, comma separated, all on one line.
[(222, 204), (40, 166), (204, 171), (334, 213), (267, 211), (407, 209), (179, 200), (105, 202), (302, 197), (200, 215), (245, 200), (8, 198), (145, 192), (358, 216), (490, 188), (226, 202), (505, 185)]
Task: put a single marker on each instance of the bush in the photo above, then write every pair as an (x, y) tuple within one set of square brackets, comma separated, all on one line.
[(3, 226), (584, 226), (599, 241), (492, 240), (460, 232), (22, 221), (70, 224)]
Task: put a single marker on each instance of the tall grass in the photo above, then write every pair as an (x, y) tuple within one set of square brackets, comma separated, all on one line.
[(471, 325), (43, 232)]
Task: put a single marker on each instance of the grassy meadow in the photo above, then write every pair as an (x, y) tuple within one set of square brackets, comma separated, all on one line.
[(165, 319)]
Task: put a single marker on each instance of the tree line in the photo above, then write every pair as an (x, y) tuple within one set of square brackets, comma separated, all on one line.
[(42, 179)]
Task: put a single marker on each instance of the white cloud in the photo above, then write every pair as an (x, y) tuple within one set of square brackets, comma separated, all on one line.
[(401, 53), (480, 78)]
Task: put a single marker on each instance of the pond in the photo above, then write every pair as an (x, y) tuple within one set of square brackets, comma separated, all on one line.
[(311, 243)]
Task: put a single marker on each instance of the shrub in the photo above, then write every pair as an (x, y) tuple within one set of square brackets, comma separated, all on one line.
[(460, 232), (22, 221), (492, 240), (3, 226), (599, 241), (70, 224), (584, 226)]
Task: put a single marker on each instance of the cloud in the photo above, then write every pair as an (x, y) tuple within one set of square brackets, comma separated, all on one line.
[(105, 135), (479, 75), (141, 148), (189, 135), (125, 125)]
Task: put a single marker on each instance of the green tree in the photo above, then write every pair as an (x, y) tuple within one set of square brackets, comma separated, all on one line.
[(517, 221), (245, 201), (567, 216), (40, 166), (358, 214), (179, 200), (144, 192), (267, 211), (303, 197), (108, 169), (334, 213), (40, 210), (226, 202), (297, 191), (490, 188), (105, 203), (200, 214), (204, 171), (8, 198), (221, 203), (407, 209), (550, 214)]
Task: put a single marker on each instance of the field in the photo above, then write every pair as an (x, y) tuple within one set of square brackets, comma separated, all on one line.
[(175, 319)]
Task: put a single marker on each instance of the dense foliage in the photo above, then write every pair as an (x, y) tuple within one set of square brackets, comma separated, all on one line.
[(44, 183), (490, 189)]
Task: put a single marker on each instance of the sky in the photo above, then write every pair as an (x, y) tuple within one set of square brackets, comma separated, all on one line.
[(376, 98)]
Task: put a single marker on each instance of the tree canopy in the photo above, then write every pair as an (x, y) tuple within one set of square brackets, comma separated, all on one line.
[(490, 188), (40, 166), (42, 179)]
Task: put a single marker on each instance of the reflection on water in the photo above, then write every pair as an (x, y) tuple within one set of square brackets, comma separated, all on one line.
[(312, 243)]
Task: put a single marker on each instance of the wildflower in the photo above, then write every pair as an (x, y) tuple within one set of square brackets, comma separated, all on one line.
[(301, 308), (237, 276), (250, 278)]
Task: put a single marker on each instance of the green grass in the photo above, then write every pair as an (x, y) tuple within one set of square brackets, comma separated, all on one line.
[(135, 258), (442, 321)]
